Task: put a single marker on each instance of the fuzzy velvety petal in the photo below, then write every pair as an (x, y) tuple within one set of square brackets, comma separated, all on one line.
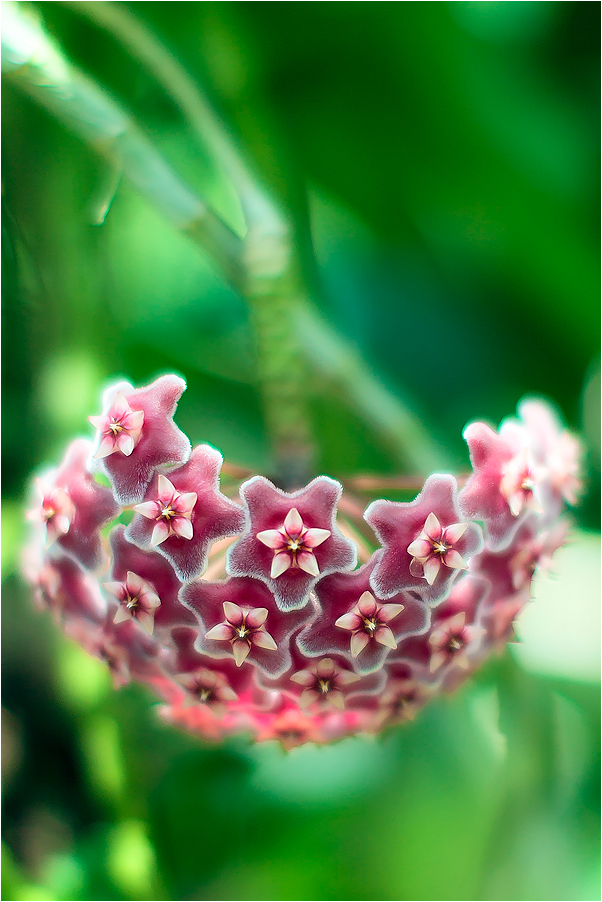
[(94, 506), (398, 525), (253, 597), (213, 516), (268, 509), (338, 596), (160, 443)]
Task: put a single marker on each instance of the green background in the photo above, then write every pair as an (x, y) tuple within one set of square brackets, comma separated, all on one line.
[(440, 164)]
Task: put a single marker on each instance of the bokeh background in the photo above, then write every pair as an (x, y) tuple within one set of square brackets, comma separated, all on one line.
[(439, 162)]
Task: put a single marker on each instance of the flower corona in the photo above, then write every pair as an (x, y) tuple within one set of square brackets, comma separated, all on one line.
[(245, 609)]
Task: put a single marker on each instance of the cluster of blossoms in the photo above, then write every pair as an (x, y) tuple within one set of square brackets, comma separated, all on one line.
[(252, 614)]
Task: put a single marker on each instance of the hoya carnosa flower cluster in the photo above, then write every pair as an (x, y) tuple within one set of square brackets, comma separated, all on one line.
[(250, 613)]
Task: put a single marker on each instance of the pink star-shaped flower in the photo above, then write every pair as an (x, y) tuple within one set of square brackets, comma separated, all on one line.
[(171, 512), (181, 516), (208, 687), (553, 447), (137, 434), (436, 547), (325, 684), (158, 573), (293, 545), (137, 599), (242, 629), (347, 606), (411, 553), (74, 507), (291, 539), (239, 617), (505, 484), (452, 640), (120, 428)]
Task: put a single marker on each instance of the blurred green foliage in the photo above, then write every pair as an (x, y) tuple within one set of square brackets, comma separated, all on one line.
[(439, 162)]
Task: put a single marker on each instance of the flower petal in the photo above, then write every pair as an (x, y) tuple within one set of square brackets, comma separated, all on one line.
[(122, 615), (349, 621), (314, 537), (256, 618), (146, 621), (420, 548), (233, 613), (148, 509), (263, 639), (125, 443), (223, 632), (335, 697), (307, 562), (358, 643), (184, 504), (240, 650), (384, 636), (160, 533), (452, 533), (308, 696), (135, 419), (388, 612), (293, 523), (303, 677), (431, 569), (367, 604), (106, 447), (182, 527), (325, 667), (432, 527), (417, 568), (454, 560), (273, 538), (166, 489), (280, 564)]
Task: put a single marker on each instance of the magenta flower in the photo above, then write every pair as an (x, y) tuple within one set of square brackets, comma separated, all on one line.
[(418, 537), (208, 687), (137, 599), (325, 684), (434, 547), (293, 545), (137, 434), (171, 512), (505, 485), (242, 629), (182, 515), (339, 596), (120, 428), (369, 621), (74, 507), (452, 640), (264, 647), (553, 447), (521, 483), (158, 573), (291, 539)]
